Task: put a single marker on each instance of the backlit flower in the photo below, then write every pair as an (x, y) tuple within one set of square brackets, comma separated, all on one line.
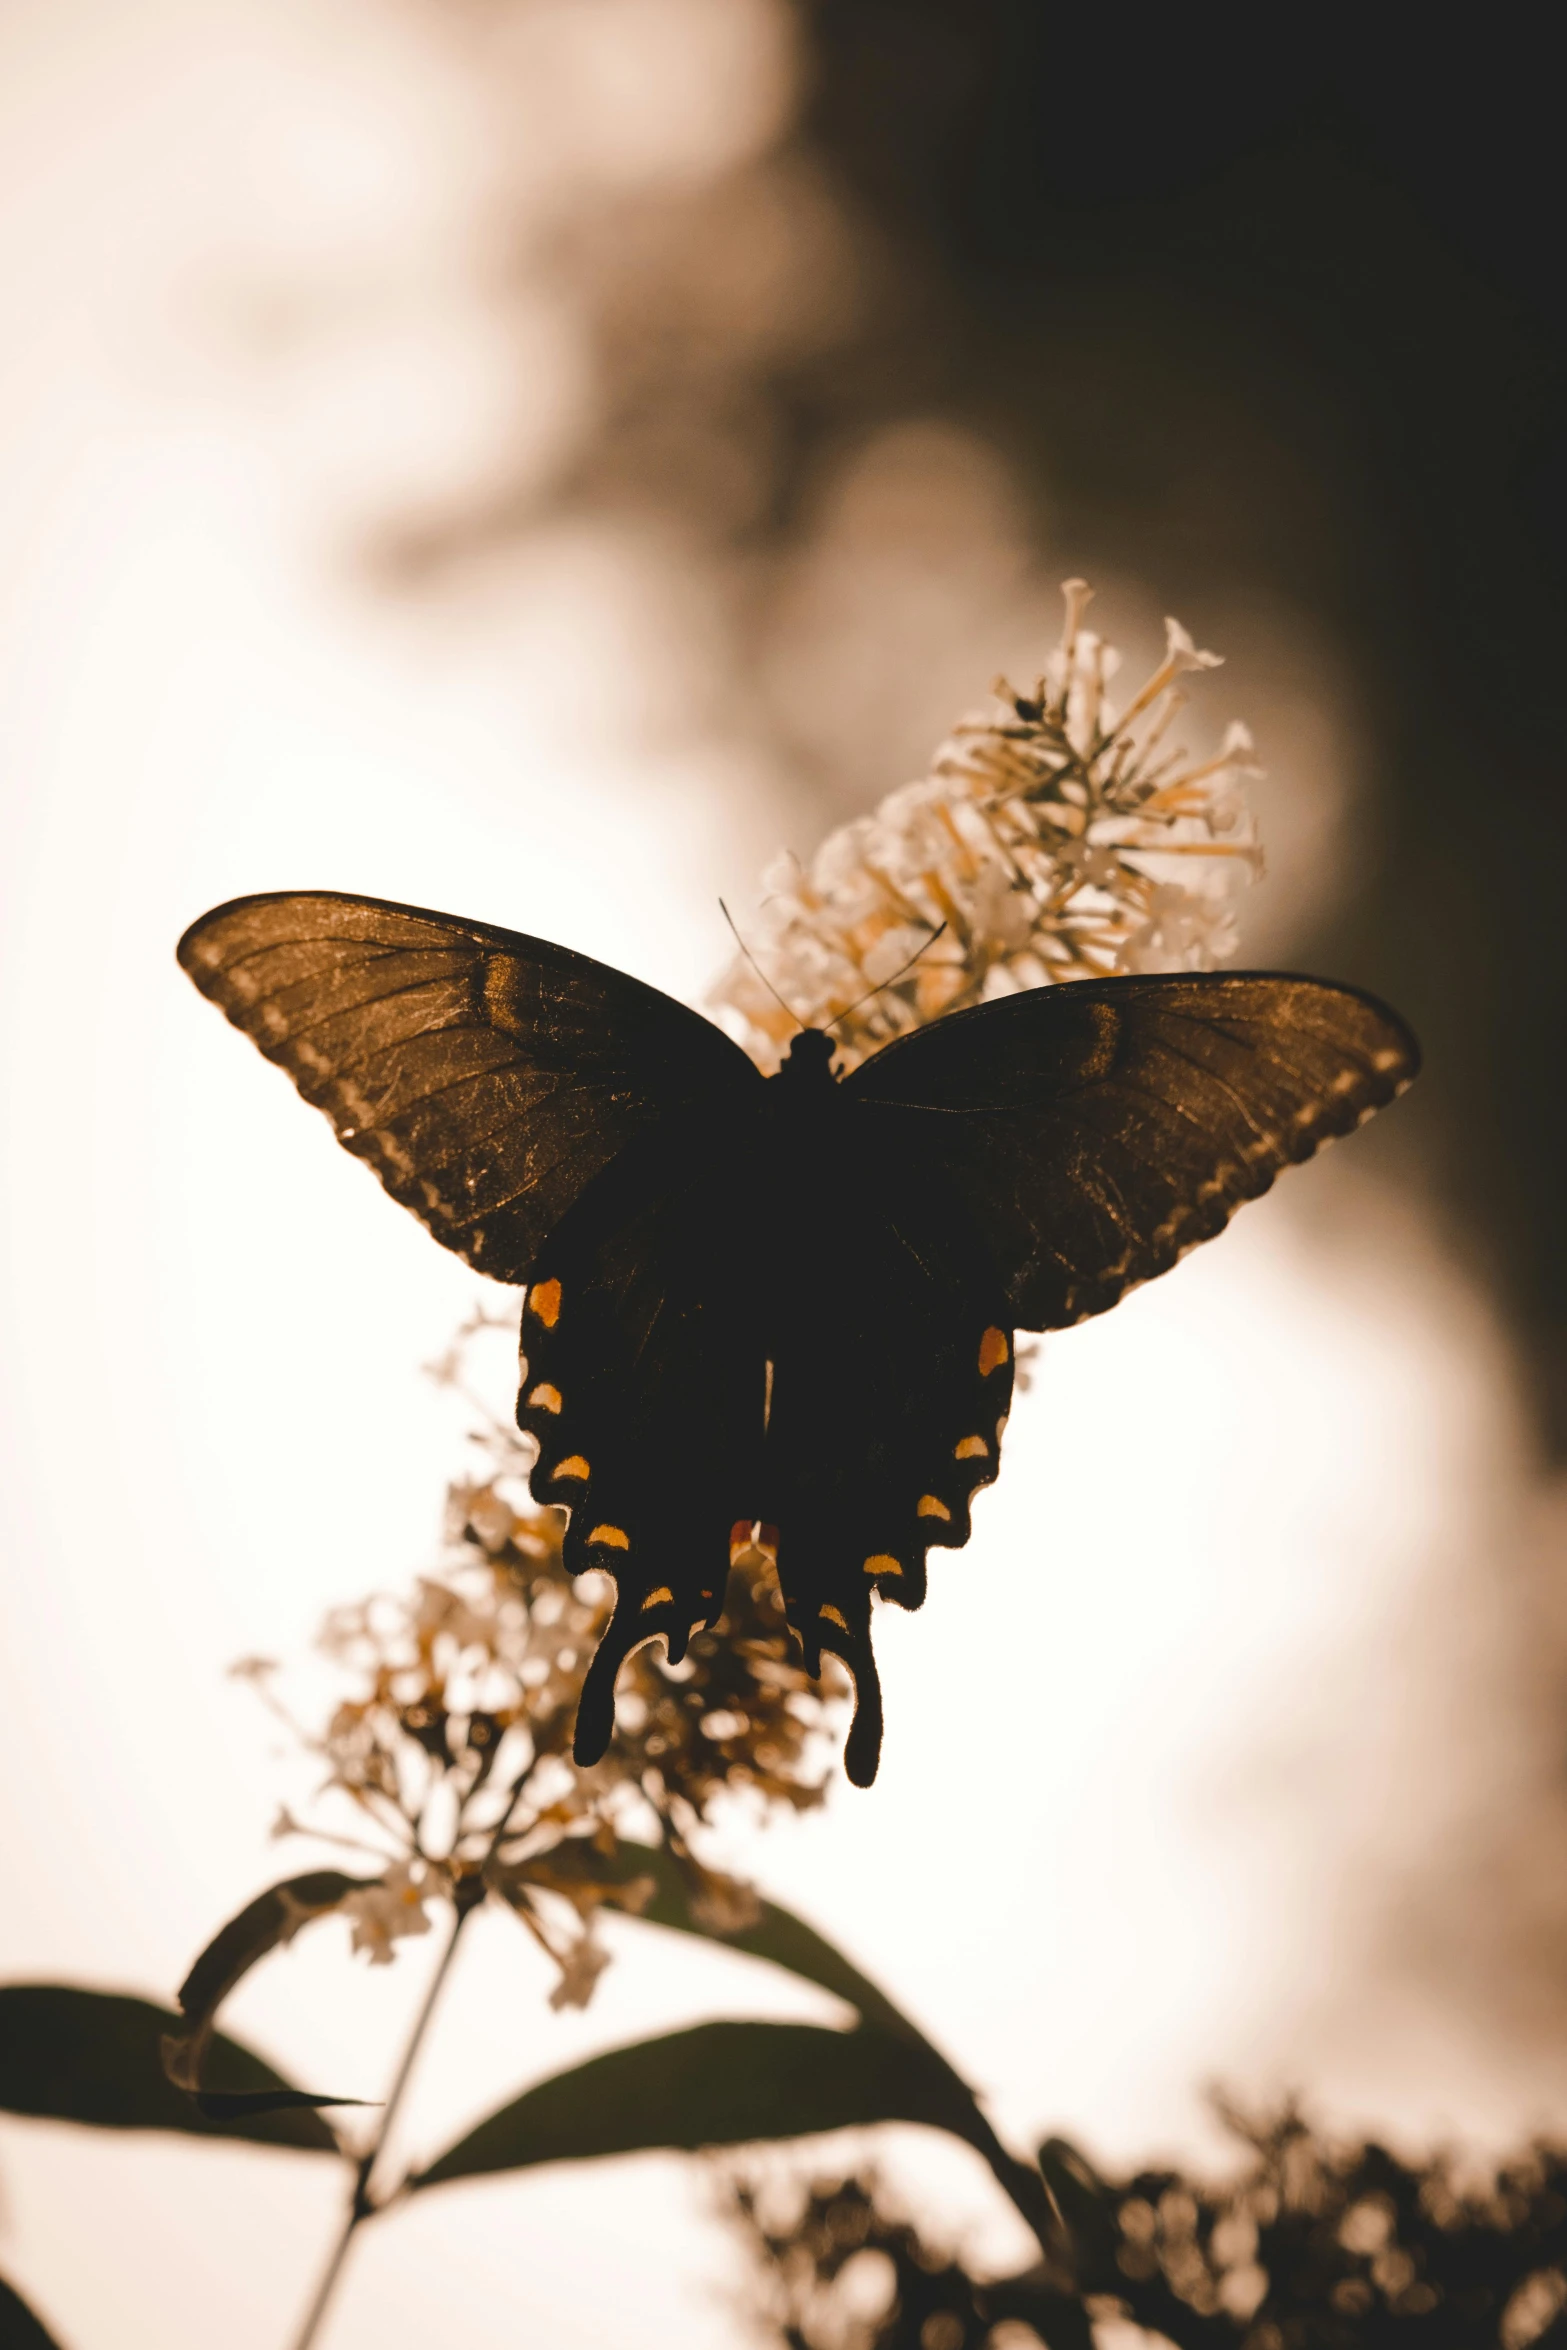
[(389, 1912), (580, 1973), (448, 1756), (1056, 837)]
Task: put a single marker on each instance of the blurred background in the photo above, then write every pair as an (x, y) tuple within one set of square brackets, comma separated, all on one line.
[(536, 458)]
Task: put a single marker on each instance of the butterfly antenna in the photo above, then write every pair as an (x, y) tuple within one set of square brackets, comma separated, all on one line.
[(757, 968), (883, 985)]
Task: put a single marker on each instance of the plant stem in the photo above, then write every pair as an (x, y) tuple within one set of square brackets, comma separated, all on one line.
[(329, 2276), (361, 2205), (468, 1897)]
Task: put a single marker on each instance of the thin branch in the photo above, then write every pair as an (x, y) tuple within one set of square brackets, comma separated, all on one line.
[(362, 2204)]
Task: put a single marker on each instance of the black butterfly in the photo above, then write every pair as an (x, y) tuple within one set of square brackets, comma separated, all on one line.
[(784, 1303)]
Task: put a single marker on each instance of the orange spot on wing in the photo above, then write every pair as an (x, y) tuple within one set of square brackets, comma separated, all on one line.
[(994, 1349), (662, 1597), (612, 1537), (572, 1466), (930, 1507), (973, 1448), (832, 1616), (544, 1300), (545, 1398), (882, 1563)]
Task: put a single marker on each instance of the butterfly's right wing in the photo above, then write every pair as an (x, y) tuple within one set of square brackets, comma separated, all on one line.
[(486, 1077), (892, 1384), (1095, 1131)]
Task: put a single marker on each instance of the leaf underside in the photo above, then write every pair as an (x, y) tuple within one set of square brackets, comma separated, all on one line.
[(910, 2079), (20, 2327), (775, 1935), (68, 2054), (718, 2084)]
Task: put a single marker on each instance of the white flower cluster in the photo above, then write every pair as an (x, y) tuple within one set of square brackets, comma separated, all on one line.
[(448, 1764), (1056, 837), (392, 1909)]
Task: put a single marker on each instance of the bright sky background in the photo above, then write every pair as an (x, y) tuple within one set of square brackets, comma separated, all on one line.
[(1180, 1746)]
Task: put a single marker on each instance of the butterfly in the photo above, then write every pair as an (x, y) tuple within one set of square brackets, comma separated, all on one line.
[(781, 1309)]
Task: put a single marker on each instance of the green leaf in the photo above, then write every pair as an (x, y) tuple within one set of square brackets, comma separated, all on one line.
[(94, 2056), (784, 1940), (721, 2084), (19, 2328), (775, 1934), (226, 2105), (273, 1918)]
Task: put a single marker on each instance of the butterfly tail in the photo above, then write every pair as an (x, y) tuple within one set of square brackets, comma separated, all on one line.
[(830, 1610), (655, 1598), (595, 1724), (862, 1748)]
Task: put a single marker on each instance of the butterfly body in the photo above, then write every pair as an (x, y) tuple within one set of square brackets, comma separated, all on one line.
[(781, 1309), (805, 1360)]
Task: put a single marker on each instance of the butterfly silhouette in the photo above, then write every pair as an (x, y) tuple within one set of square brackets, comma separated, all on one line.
[(781, 1308)]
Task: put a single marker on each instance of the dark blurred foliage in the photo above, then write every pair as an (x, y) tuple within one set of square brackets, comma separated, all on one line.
[(1275, 306), (843, 2251), (1309, 2246), (1266, 311)]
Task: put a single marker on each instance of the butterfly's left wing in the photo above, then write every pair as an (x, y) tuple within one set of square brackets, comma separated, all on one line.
[(485, 1077), (1096, 1131), (644, 1385)]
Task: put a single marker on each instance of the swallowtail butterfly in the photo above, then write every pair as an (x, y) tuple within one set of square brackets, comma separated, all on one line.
[(781, 1303)]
